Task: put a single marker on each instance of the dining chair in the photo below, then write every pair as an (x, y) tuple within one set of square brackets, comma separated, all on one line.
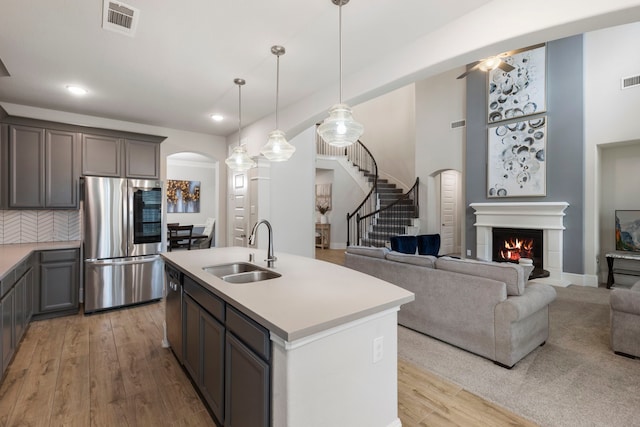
[(180, 236)]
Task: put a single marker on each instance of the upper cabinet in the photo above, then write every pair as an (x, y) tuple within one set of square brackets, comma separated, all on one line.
[(105, 156), (41, 162), (101, 155), (43, 168)]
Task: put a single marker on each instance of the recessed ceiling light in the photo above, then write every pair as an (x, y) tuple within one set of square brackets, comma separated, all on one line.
[(217, 117), (77, 90)]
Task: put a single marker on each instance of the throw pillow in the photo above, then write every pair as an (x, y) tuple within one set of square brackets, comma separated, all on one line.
[(428, 244), (404, 243)]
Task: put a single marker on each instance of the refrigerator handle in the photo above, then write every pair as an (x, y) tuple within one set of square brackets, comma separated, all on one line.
[(122, 261)]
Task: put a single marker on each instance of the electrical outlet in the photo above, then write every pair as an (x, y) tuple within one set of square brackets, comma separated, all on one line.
[(378, 349), (468, 252)]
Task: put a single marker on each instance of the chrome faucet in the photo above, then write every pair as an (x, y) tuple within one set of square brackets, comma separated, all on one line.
[(271, 259)]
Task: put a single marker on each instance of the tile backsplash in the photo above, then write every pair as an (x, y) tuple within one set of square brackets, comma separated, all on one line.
[(30, 226)]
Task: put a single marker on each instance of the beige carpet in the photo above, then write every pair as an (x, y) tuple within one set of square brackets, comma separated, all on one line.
[(573, 380)]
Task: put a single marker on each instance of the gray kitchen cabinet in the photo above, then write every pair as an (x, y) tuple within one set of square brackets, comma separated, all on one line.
[(62, 169), (106, 155), (142, 159), (58, 277), (227, 355), (247, 372), (43, 168), (204, 343), (14, 316), (101, 155), (7, 329), (26, 167)]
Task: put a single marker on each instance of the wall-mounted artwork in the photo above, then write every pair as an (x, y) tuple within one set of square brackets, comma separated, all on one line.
[(521, 91), (628, 230), (183, 196), (516, 163)]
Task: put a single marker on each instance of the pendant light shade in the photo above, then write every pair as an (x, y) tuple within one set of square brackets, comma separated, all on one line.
[(239, 159), (340, 129), (277, 149)]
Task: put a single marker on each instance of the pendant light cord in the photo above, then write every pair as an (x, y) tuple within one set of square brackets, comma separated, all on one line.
[(239, 113), (277, 87), (340, 48)]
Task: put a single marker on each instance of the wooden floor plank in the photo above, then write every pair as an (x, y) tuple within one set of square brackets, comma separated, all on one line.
[(71, 402)]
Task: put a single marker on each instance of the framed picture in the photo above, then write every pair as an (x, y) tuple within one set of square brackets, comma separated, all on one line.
[(516, 163), (183, 196), (520, 92), (628, 230)]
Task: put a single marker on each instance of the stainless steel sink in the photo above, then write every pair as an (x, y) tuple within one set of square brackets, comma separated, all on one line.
[(251, 276), (241, 272)]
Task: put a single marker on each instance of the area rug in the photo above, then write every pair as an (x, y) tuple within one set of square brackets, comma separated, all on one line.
[(573, 380)]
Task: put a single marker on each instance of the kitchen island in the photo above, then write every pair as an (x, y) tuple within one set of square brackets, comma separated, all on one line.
[(332, 335)]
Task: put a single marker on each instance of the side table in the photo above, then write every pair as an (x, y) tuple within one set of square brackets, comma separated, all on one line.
[(323, 236), (611, 256)]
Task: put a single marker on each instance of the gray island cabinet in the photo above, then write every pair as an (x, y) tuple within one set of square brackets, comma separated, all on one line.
[(293, 350)]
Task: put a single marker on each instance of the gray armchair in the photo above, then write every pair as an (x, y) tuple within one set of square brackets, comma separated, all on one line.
[(625, 320)]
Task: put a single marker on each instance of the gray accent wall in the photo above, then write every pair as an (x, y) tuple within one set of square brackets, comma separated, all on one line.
[(564, 152)]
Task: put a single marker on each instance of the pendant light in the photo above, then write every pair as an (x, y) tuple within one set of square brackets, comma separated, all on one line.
[(239, 160), (277, 149), (339, 129)]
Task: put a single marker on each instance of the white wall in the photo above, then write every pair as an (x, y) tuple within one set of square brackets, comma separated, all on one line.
[(345, 196), (619, 164), (206, 173), (611, 117), (389, 122), (440, 100), (292, 201)]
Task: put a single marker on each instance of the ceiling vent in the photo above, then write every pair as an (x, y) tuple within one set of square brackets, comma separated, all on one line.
[(120, 17), (458, 124), (629, 82)]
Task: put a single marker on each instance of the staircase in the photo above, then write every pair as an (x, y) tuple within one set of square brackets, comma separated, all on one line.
[(385, 211), (397, 218)]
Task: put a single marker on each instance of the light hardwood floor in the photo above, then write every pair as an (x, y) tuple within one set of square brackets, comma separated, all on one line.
[(109, 369)]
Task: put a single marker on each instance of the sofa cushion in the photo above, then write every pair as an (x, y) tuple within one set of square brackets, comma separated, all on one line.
[(368, 251), (511, 274), (428, 244), (421, 260), (404, 243)]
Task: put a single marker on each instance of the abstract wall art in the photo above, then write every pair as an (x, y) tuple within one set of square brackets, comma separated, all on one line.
[(183, 196), (628, 230), (520, 92), (516, 164)]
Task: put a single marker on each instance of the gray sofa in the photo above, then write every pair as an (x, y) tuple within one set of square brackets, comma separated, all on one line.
[(483, 307), (625, 320)]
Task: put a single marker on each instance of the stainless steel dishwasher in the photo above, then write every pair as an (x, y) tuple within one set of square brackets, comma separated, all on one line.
[(173, 310)]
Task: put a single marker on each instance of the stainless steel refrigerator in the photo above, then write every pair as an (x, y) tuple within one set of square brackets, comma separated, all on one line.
[(122, 242)]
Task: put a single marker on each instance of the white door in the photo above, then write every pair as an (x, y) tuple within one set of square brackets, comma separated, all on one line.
[(448, 212), (239, 209)]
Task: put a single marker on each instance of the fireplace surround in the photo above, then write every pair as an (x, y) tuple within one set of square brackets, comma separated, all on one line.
[(545, 216)]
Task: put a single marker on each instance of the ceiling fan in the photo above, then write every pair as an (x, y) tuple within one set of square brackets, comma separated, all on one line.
[(497, 61)]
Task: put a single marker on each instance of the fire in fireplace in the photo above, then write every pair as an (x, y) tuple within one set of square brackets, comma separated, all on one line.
[(511, 244)]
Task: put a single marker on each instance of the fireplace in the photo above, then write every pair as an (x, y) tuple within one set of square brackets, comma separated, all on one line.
[(511, 244), (545, 216)]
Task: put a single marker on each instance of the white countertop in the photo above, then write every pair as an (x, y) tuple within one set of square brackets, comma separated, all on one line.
[(310, 297), (13, 254)]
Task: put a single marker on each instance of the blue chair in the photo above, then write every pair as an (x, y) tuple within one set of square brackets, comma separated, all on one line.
[(428, 244)]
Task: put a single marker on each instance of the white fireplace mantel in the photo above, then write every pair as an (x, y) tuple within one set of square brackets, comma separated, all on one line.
[(545, 216)]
